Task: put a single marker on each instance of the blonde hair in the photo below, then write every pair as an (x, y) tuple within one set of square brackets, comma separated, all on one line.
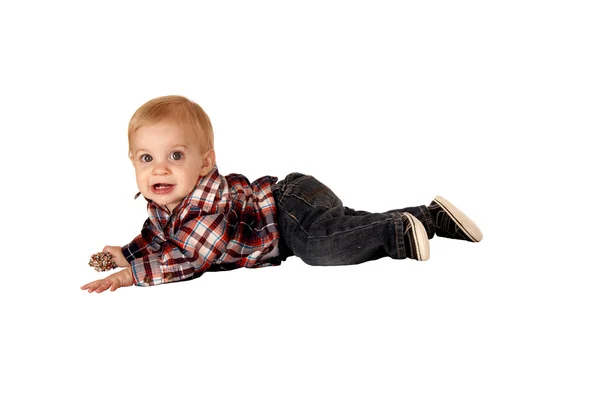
[(176, 109)]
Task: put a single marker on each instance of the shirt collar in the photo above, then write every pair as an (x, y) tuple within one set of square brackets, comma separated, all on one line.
[(205, 192)]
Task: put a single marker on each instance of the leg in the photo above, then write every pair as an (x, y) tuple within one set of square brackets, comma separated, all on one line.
[(316, 227)]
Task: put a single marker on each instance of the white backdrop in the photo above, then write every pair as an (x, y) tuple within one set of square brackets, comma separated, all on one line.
[(493, 105)]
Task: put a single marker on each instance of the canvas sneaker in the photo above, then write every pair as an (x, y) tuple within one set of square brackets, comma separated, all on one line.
[(416, 242), (450, 222)]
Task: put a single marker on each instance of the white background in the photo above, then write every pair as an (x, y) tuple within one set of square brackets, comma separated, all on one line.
[(493, 105)]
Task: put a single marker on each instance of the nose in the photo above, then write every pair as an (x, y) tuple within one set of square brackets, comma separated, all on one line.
[(160, 168)]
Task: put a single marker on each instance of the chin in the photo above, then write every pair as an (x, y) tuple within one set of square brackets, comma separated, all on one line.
[(160, 200)]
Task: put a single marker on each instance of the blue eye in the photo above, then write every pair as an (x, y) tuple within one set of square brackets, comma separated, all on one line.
[(176, 155), (146, 158)]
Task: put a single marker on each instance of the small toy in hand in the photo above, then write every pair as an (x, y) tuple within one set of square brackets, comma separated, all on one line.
[(102, 262)]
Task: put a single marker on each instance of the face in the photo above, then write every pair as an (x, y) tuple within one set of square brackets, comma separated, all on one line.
[(167, 161)]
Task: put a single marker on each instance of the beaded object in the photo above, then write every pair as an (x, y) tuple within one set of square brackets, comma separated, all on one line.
[(102, 262)]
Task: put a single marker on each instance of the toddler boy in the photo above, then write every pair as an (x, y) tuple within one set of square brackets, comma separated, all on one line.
[(202, 221)]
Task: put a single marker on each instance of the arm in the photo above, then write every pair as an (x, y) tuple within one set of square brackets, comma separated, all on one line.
[(146, 243), (186, 254)]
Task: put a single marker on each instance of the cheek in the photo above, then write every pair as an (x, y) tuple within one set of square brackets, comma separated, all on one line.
[(189, 177), (185, 170), (141, 177)]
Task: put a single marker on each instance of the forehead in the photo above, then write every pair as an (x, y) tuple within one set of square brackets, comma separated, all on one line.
[(162, 134)]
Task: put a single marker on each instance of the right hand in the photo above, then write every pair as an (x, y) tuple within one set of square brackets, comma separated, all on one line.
[(117, 255), (123, 278)]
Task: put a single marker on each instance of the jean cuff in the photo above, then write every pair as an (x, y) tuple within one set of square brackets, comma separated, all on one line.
[(400, 248), (427, 221)]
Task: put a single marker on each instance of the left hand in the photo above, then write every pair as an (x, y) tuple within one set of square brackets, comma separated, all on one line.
[(124, 278), (117, 254)]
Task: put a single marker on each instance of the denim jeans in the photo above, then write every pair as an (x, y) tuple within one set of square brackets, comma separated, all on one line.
[(316, 226)]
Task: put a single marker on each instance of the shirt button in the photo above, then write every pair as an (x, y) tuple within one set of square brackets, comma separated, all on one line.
[(147, 280), (169, 276)]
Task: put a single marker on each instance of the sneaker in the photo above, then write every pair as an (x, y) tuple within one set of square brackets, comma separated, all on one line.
[(416, 242), (450, 222)]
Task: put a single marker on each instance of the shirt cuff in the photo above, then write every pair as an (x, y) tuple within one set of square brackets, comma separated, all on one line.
[(147, 271), (129, 255)]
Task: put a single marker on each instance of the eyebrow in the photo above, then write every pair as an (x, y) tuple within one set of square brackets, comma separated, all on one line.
[(170, 147)]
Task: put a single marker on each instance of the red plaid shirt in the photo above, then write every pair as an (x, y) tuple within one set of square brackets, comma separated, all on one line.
[(223, 224)]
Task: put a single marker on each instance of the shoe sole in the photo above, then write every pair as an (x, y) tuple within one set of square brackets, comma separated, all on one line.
[(420, 235), (467, 225)]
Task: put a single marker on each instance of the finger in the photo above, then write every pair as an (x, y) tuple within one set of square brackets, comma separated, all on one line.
[(90, 286), (111, 251), (105, 285)]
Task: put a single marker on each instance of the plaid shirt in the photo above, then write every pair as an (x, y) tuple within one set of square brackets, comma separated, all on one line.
[(223, 224)]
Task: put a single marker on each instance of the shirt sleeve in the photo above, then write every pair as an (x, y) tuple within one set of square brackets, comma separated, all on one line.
[(186, 255), (147, 242)]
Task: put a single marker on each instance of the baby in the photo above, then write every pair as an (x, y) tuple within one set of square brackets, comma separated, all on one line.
[(202, 221)]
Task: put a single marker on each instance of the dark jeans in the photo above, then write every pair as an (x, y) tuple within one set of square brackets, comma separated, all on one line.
[(320, 230)]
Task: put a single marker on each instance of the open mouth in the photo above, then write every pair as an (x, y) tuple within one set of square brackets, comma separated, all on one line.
[(161, 188)]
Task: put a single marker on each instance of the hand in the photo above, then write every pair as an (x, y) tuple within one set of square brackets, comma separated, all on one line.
[(117, 255), (124, 278)]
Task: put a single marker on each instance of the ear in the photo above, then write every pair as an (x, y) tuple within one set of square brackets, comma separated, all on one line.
[(208, 162)]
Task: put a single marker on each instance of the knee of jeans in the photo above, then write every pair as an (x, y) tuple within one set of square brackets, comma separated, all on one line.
[(315, 253), (328, 259), (301, 249), (315, 260)]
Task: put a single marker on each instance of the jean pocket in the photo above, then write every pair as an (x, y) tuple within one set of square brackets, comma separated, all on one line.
[(315, 193)]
